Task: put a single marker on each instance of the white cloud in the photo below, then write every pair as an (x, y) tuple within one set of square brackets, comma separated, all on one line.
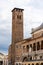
[(19, 1), (4, 52)]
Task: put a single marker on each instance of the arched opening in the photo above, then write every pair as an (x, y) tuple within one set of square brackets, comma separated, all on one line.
[(34, 47), (41, 44), (37, 63), (38, 46), (25, 59), (41, 64), (40, 57), (1, 62), (32, 64), (30, 58), (27, 47), (28, 64)]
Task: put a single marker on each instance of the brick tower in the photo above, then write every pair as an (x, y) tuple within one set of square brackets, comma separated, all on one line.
[(17, 30), (17, 25)]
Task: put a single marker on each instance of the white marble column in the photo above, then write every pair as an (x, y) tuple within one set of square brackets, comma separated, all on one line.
[(3, 61)]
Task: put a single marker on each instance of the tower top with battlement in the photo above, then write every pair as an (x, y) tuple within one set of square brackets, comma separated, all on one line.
[(17, 9)]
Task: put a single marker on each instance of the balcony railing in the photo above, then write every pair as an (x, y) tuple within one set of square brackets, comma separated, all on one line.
[(25, 54), (34, 60), (32, 53)]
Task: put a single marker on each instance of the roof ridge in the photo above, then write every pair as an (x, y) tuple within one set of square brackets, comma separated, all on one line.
[(37, 28)]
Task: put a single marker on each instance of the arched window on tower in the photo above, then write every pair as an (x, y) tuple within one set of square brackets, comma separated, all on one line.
[(18, 16)]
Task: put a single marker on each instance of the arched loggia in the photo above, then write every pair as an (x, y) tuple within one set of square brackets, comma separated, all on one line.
[(41, 64), (25, 59), (37, 63)]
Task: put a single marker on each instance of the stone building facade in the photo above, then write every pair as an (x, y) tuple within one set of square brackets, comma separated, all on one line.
[(25, 51), (3, 59)]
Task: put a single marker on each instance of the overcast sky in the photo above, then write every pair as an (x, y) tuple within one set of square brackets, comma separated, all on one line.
[(33, 17)]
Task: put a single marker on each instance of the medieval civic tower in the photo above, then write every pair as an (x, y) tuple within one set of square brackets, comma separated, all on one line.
[(17, 25), (17, 31)]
